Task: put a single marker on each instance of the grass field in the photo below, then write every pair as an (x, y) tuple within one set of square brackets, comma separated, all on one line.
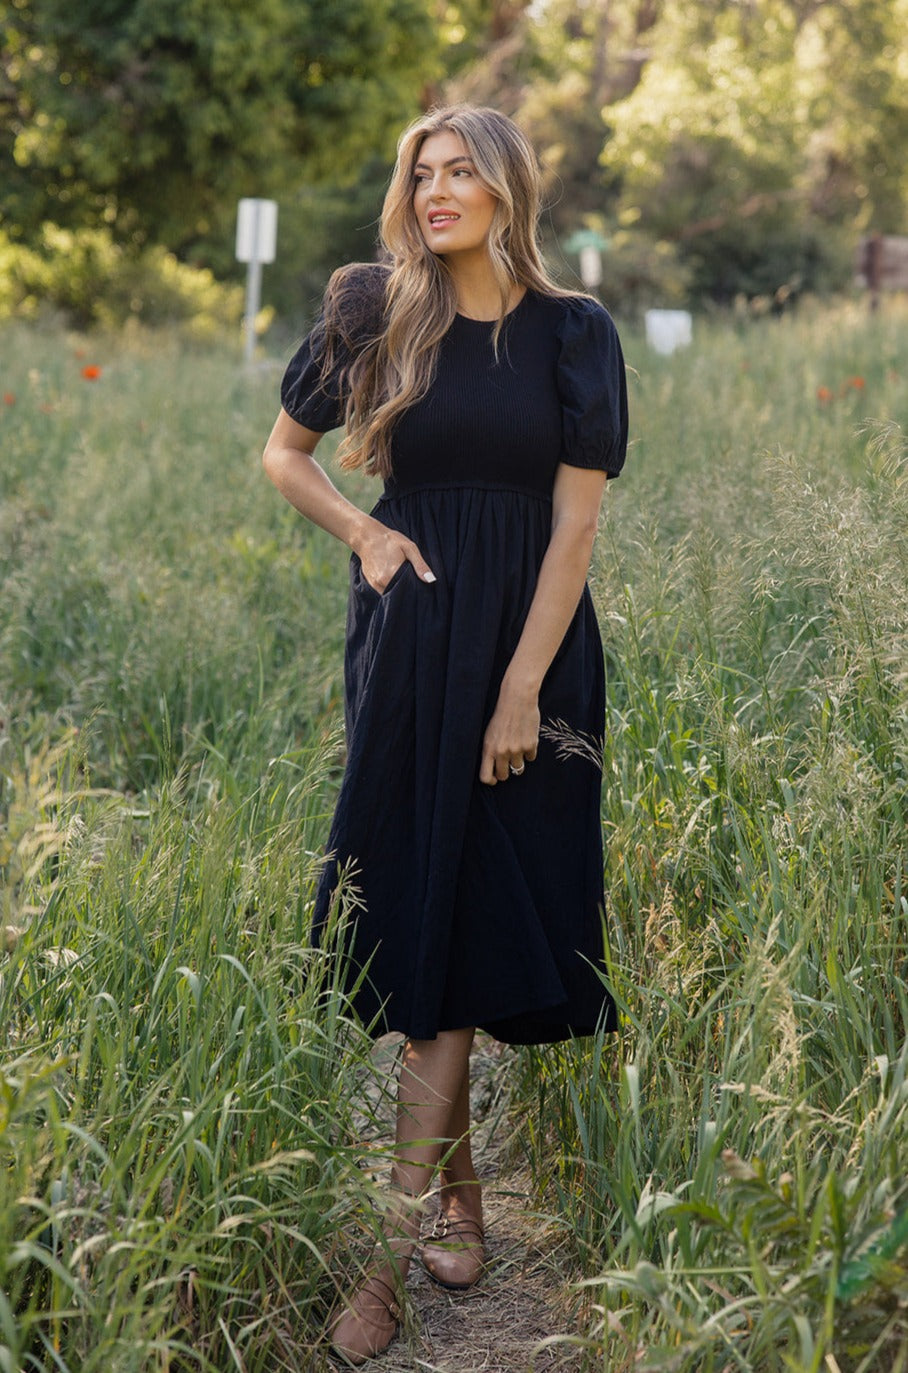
[(182, 1123)]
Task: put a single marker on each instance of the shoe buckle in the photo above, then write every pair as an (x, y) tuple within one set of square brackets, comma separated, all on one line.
[(439, 1230)]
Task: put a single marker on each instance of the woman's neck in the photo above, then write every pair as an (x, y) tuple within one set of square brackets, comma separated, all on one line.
[(478, 296)]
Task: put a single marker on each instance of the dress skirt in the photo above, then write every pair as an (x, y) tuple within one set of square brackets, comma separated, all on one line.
[(479, 905)]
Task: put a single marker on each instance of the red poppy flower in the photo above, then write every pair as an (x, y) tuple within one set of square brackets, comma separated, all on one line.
[(824, 394), (9, 398), (856, 383), (91, 373)]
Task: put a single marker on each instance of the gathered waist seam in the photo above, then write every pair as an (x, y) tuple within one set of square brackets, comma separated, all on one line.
[(485, 487)]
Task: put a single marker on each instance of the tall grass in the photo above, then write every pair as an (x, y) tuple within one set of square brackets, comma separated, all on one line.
[(152, 582), (187, 1112), (733, 1165), (174, 1164), (185, 1117)]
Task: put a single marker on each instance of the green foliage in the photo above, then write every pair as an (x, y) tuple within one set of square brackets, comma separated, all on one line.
[(781, 1248), (154, 118), (186, 1112), (91, 280), (864, 111), (173, 1116), (149, 492), (755, 808), (637, 270), (320, 228), (185, 1126), (580, 69), (726, 149), (756, 131)]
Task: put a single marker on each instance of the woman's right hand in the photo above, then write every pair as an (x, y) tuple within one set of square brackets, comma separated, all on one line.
[(382, 552), (304, 483)]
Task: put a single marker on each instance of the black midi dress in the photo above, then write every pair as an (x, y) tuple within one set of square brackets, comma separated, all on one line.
[(478, 905)]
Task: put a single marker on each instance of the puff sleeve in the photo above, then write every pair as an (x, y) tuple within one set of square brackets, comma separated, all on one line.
[(310, 398), (592, 387), (317, 398)]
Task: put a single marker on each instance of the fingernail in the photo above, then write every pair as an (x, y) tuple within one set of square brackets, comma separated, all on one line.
[(428, 576)]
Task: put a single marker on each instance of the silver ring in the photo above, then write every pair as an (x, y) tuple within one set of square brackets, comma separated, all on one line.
[(517, 772)]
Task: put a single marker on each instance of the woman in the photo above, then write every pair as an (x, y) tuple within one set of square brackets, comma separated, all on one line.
[(493, 406)]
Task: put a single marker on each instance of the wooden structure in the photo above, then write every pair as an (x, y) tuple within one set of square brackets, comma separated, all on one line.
[(881, 264)]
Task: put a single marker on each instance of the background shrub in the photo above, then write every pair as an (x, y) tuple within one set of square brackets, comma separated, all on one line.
[(92, 280)]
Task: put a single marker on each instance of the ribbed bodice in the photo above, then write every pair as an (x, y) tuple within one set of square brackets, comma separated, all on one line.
[(486, 421)]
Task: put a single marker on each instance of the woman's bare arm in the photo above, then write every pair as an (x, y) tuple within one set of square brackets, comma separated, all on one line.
[(289, 462), (512, 735)]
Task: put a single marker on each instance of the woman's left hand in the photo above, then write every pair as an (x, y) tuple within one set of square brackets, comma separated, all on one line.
[(512, 736)]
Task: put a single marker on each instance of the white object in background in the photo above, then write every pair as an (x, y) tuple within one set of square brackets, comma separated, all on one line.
[(590, 266), (667, 330), (256, 230), (256, 242)]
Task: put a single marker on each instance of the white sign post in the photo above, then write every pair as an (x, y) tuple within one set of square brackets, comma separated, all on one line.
[(256, 241)]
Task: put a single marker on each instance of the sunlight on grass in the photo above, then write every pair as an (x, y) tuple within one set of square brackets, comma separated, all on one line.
[(732, 1168), (187, 1114)]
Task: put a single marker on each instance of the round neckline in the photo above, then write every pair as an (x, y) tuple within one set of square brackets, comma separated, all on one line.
[(486, 322)]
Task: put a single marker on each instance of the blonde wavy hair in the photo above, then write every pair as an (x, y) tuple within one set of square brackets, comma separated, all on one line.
[(413, 302)]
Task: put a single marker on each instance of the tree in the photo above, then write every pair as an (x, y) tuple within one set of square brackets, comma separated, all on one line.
[(154, 116), (588, 55), (760, 131), (859, 168)]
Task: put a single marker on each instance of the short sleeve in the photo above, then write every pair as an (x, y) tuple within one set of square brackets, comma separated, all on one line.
[(593, 388), (310, 395), (314, 400)]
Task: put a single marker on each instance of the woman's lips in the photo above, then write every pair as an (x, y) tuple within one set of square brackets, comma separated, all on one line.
[(442, 218)]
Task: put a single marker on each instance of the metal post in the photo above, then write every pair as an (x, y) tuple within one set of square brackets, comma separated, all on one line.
[(253, 285), (256, 237), (253, 300)]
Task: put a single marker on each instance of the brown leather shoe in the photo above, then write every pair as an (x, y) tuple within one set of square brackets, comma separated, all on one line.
[(368, 1323), (452, 1252)]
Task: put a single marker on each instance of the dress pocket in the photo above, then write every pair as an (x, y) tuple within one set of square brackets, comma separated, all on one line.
[(361, 581)]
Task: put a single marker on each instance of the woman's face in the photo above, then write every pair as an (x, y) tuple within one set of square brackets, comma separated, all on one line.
[(452, 206)]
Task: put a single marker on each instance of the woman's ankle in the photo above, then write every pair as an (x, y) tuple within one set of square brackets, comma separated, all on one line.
[(392, 1264), (463, 1195), (401, 1226)]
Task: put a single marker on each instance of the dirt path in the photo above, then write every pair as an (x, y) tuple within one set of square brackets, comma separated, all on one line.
[(496, 1327)]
